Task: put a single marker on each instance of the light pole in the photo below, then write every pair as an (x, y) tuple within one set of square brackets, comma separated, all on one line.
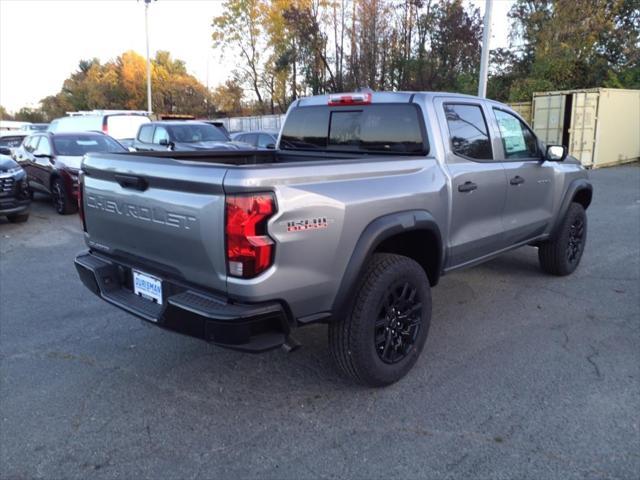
[(146, 29), (484, 55)]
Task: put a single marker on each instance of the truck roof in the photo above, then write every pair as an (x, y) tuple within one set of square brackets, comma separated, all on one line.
[(384, 97)]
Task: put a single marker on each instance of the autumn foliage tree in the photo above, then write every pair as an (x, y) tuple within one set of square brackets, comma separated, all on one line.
[(284, 49), (121, 84)]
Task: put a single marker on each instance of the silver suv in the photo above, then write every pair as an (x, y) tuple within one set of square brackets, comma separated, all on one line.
[(368, 199)]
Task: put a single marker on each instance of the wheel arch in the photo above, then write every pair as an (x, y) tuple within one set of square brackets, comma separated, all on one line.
[(402, 233), (581, 191)]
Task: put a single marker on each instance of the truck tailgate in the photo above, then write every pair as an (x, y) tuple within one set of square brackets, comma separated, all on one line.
[(165, 214)]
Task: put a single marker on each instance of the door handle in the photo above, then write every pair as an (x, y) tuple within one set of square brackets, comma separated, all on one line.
[(517, 180), (131, 181), (467, 187)]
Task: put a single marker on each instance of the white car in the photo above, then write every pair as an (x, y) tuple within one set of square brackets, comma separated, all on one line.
[(119, 124)]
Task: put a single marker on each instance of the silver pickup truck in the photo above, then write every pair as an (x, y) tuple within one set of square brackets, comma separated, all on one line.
[(368, 199)]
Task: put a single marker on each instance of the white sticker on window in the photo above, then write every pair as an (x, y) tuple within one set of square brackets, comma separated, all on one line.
[(512, 134)]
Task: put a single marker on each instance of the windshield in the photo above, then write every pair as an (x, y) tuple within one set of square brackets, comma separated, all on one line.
[(196, 132), (11, 141), (381, 128), (78, 145)]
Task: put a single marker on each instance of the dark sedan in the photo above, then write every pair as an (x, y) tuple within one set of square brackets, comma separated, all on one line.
[(183, 136), (258, 139), (52, 162)]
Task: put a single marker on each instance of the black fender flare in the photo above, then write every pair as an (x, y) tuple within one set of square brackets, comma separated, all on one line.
[(575, 186), (375, 233)]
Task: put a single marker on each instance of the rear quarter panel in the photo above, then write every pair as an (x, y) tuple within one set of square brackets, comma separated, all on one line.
[(344, 197)]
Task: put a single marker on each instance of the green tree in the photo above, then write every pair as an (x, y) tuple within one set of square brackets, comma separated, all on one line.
[(32, 115), (568, 44), (241, 29), (4, 115)]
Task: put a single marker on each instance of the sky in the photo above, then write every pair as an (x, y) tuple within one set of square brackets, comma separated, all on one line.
[(42, 41)]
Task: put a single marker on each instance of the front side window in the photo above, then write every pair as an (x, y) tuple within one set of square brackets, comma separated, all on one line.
[(251, 139), (468, 131), (195, 132), (518, 141), (160, 135), (265, 140), (44, 147)]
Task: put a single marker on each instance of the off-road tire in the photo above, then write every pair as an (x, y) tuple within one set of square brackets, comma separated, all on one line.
[(561, 255), (63, 204), (18, 217), (352, 340)]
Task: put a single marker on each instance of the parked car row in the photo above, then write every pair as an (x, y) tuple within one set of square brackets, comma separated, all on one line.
[(48, 162)]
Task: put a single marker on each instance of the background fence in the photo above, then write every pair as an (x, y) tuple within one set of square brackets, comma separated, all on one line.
[(251, 124)]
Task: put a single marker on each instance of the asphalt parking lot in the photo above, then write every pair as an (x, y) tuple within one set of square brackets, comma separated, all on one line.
[(523, 376)]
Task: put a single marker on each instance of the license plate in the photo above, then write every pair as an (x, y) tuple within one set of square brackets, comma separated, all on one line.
[(147, 286)]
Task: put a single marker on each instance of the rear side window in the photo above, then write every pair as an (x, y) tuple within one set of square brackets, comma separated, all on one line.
[(31, 143), (146, 134), (468, 131), (381, 128), (517, 139)]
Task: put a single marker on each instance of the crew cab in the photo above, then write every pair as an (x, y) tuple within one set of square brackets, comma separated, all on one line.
[(368, 199)]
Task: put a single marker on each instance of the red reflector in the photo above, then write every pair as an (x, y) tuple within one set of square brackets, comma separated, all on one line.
[(249, 248), (105, 127), (349, 99)]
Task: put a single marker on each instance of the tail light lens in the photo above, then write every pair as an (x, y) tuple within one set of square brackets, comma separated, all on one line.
[(249, 248), (81, 199)]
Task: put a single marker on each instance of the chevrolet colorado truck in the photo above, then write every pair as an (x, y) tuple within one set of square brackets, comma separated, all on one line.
[(367, 201)]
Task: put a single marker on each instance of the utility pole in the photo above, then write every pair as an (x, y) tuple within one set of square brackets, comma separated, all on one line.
[(484, 55), (146, 29)]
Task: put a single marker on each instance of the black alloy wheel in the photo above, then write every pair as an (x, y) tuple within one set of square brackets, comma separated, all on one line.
[(398, 322), (576, 240)]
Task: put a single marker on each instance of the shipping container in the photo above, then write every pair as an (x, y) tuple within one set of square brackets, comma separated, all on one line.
[(599, 126), (523, 109)]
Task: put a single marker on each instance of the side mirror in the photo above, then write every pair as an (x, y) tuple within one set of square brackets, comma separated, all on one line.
[(5, 151), (271, 146), (164, 142), (556, 153)]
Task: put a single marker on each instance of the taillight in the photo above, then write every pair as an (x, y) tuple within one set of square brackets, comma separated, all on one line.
[(105, 126), (80, 200), (363, 98), (249, 248)]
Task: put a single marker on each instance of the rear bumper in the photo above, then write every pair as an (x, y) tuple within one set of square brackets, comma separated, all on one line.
[(247, 327)]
